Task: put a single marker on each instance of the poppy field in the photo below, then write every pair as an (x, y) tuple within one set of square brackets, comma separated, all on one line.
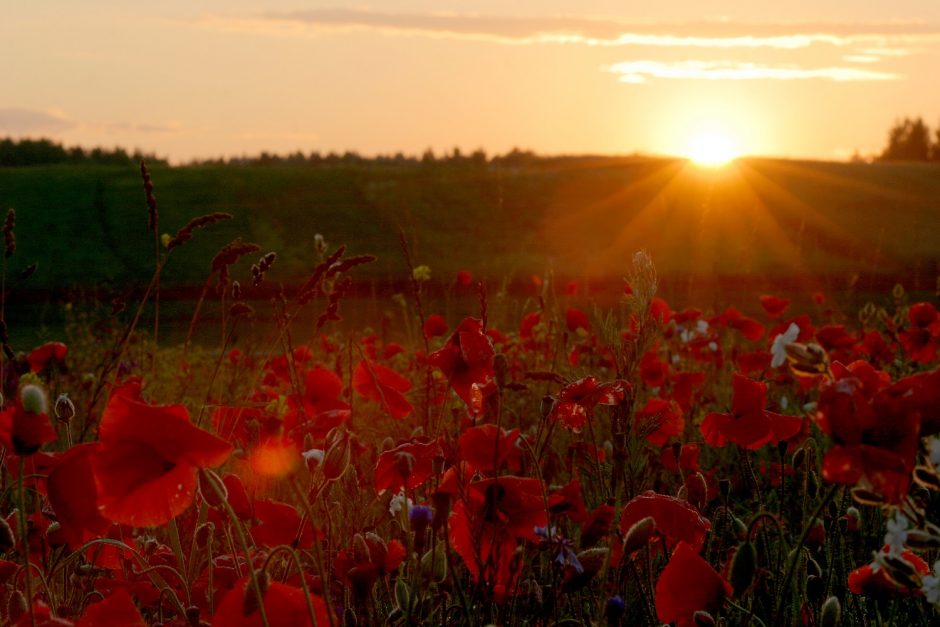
[(640, 463)]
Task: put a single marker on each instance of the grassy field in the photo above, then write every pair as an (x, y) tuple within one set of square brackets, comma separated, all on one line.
[(832, 224)]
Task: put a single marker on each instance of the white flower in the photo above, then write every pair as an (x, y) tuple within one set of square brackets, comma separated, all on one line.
[(702, 327), (930, 584), (897, 534), (675, 359), (784, 403), (713, 346), (778, 349), (934, 446), (398, 501)]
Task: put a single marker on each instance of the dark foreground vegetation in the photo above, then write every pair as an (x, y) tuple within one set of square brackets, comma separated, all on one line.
[(636, 464)]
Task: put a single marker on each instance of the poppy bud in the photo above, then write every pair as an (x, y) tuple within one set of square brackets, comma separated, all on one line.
[(501, 369), (250, 604), (209, 494), (743, 568), (701, 618), (696, 490), (336, 460), (33, 399), (807, 359), (866, 497), (815, 587), (545, 408), (441, 501), (361, 553), (639, 535), (799, 457), (614, 609), (817, 533), (927, 478), (64, 408), (831, 614), (16, 606), (852, 518), (922, 540), (203, 535), (387, 444), (739, 528), (434, 565), (724, 487), (7, 539), (192, 615)]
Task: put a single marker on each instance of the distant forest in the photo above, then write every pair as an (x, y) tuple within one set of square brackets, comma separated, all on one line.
[(909, 139), (26, 152)]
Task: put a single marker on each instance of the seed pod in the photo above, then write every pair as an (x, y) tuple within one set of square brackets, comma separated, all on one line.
[(743, 568), (7, 539), (831, 614), (701, 618)]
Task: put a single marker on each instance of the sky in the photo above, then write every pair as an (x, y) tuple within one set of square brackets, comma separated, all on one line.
[(806, 79)]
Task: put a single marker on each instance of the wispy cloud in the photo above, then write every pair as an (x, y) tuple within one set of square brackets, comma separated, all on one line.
[(18, 120), (641, 71), (573, 30)]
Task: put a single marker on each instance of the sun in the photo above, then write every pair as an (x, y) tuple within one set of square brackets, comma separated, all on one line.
[(712, 149)]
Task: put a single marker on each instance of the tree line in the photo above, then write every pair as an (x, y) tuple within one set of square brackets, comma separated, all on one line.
[(910, 140), (29, 152)]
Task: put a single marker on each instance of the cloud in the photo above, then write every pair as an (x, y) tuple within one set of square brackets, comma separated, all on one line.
[(641, 71), (584, 31), (17, 120)]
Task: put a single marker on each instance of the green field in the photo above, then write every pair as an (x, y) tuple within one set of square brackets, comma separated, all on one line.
[(798, 222)]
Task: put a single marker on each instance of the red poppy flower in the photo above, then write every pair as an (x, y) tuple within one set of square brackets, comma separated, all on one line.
[(384, 386), (284, 606), (571, 288), (664, 417), (774, 305), (749, 424), (279, 523), (734, 319), (567, 501), (467, 362), (73, 495), (434, 326), (660, 310), (319, 409), (116, 609), (145, 469), (676, 519), (528, 323), (408, 465), (683, 387), (653, 370), (369, 558), (486, 526), (921, 338), (688, 458), (47, 354), (755, 362), (876, 583), (25, 431), (488, 448), (875, 432), (464, 278), (576, 319), (687, 585), (576, 402)]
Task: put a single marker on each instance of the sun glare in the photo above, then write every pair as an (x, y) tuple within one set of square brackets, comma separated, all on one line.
[(712, 149)]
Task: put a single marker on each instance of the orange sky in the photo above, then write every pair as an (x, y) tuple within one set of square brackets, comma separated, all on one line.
[(806, 79)]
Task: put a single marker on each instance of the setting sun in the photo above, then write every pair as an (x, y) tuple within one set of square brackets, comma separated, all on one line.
[(712, 149)]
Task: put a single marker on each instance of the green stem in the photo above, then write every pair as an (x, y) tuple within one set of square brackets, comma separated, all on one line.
[(791, 566), (24, 541), (236, 525)]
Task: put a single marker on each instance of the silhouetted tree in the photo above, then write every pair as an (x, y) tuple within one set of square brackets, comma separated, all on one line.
[(908, 140)]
